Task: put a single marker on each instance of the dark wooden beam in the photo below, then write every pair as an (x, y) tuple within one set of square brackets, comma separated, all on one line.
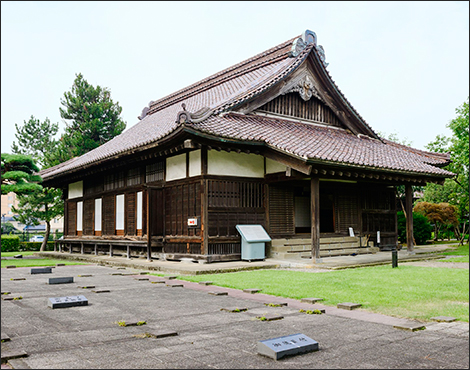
[(409, 218), (315, 211)]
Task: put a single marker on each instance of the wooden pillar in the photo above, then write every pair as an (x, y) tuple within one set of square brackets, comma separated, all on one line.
[(315, 211), (149, 253), (409, 218), (204, 218)]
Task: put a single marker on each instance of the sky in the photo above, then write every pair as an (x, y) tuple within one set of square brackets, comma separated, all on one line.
[(404, 66)]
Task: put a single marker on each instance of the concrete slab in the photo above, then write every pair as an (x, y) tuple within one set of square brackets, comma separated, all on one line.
[(208, 337)]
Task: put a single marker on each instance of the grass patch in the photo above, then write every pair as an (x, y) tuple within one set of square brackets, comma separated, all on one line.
[(407, 291), (38, 262), (456, 259), (12, 254), (459, 251)]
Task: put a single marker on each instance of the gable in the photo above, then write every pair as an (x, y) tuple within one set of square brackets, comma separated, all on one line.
[(292, 105)]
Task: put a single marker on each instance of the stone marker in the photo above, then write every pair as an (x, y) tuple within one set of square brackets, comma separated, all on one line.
[(101, 291), (443, 319), (252, 291), (69, 301), (116, 273), (270, 317), (158, 282), (17, 279), (143, 273), (10, 355), (289, 345), (10, 266), (276, 304), (164, 333), (205, 283), (410, 327), (311, 300), (61, 280), (234, 309), (348, 305), (87, 287), (171, 277), (60, 264), (86, 275), (11, 298), (18, 256), (120, 268), (218, 293), (41, 270), (175, 285), (141, 279), (5, 338)]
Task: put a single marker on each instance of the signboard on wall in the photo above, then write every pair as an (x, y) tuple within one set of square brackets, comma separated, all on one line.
[(194, 222)]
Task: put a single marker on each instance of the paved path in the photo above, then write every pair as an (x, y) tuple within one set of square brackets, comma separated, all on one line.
[(88, 337)]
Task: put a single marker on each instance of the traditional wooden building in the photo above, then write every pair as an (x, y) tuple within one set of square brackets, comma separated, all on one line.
[(269, 141)]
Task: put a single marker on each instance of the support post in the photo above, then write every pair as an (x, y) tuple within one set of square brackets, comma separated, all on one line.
[(128, 252), (409, 218), (315, 211), (96, 249), (110, 250), (81, 248)]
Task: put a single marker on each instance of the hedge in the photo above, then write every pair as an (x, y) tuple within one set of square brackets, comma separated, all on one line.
[(10, 243), (36, 246), (421, 228)]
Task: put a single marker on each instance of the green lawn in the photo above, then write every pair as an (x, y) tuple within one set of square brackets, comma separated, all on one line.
[(407, 291), (461, 252), (12, 254), (37, 262)]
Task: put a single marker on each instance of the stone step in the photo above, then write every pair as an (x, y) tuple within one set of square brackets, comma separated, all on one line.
[(299, 248), (323, 253)]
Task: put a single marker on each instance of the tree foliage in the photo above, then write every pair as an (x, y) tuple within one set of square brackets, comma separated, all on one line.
[(454, 191), (441, 215), (36, 138), (91, 118), (45, 205), (19, 174)]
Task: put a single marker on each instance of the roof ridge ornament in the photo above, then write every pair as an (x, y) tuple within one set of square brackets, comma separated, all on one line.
[(185, 116), (300, 43), (145, 110)]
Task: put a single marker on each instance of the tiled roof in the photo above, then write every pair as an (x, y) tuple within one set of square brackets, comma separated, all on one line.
[(321, 143), (233, 86)]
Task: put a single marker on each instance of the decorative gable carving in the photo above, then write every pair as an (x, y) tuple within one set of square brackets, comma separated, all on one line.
[(305, 88)]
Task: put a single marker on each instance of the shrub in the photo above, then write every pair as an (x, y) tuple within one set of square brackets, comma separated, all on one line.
[(36, 246), (10, 243), (422, 229)]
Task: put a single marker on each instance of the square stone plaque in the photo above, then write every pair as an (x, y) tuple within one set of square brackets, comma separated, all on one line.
[(61, 280), (41, 270), (289, 345), (69, 301)]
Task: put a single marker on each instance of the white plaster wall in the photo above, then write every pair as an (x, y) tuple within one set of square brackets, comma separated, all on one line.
[(176, 167), (139, 210), (79, 216), (120, 212), (76, 189), (235, 164), (98, 214), (195, 163), (274, 167)]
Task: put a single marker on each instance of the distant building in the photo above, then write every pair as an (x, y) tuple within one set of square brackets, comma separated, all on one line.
[(9, 201)]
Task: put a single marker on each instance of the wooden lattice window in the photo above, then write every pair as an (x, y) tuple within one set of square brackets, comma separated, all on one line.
[(133, 176), (154, 171)]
